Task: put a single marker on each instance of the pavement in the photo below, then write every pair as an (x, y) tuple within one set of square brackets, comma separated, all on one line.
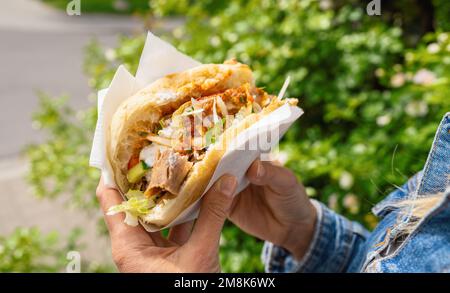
[(41, 49)]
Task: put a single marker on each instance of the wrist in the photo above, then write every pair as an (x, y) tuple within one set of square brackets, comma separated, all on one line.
[(300, 234)]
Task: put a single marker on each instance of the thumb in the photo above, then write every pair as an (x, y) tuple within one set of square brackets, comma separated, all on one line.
[(213, 212)]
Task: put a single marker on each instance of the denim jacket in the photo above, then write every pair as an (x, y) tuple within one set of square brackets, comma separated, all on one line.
[(340, 245)]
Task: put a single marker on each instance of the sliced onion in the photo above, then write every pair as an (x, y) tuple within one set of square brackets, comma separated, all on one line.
[(198, 109), (160, 140), (215, 116), (148, 154), (166, 132), (256, 107), (240, 115), (203, 100), (195, 104), (284, 88), (222, 106)]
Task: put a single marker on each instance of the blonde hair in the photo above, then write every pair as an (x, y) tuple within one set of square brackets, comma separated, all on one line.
[(415, 209)]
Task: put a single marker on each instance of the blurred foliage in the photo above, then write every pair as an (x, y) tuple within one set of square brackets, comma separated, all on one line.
[(373, 89), (104, 6), (442, 9), (25, 249), (28, 250), (239, 252), (55, 163)]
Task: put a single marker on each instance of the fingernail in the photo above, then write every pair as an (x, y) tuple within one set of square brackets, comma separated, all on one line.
[(260, 171), (228, 185)]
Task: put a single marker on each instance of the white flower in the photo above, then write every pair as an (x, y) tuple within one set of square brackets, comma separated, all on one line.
[(416, 108), (379, 72), (442, 37), (332, 201), (383, 120), (409, 56), (325, 4), (433, 48), (424, 77), (351, 202), (346, 180), (359, 148), (110, 54), (232, 37), (398, 80), (310, 191), (178, 32), (409, 76), (214, 41)]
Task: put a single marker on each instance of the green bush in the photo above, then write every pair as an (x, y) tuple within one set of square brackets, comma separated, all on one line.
[(25, 249), (373, 91), (104, 6), (28, 250)]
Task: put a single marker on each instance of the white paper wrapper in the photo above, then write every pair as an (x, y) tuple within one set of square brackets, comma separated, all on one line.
[(157, 60)]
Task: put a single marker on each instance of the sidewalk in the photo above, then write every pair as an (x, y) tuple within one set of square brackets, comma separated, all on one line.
[(42, 49), (33, 15)]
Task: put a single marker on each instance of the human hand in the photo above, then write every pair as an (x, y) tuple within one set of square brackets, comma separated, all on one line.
[(136, 250), (275, 207)]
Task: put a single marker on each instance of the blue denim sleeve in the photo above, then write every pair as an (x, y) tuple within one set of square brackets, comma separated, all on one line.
[(337, 243)]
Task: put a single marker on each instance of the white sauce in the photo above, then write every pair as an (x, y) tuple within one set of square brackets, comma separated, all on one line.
[(172, 160), (148, 154), (166, 132)]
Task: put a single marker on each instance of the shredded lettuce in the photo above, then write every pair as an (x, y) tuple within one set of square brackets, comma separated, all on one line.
[(222, 106), (214, 132), (136, 205), (134, 193)]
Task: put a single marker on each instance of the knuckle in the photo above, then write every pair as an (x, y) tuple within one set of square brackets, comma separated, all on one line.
[(216, 210)]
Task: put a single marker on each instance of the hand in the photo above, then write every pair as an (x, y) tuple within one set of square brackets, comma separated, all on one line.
[(136, 250), (275, 207)]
